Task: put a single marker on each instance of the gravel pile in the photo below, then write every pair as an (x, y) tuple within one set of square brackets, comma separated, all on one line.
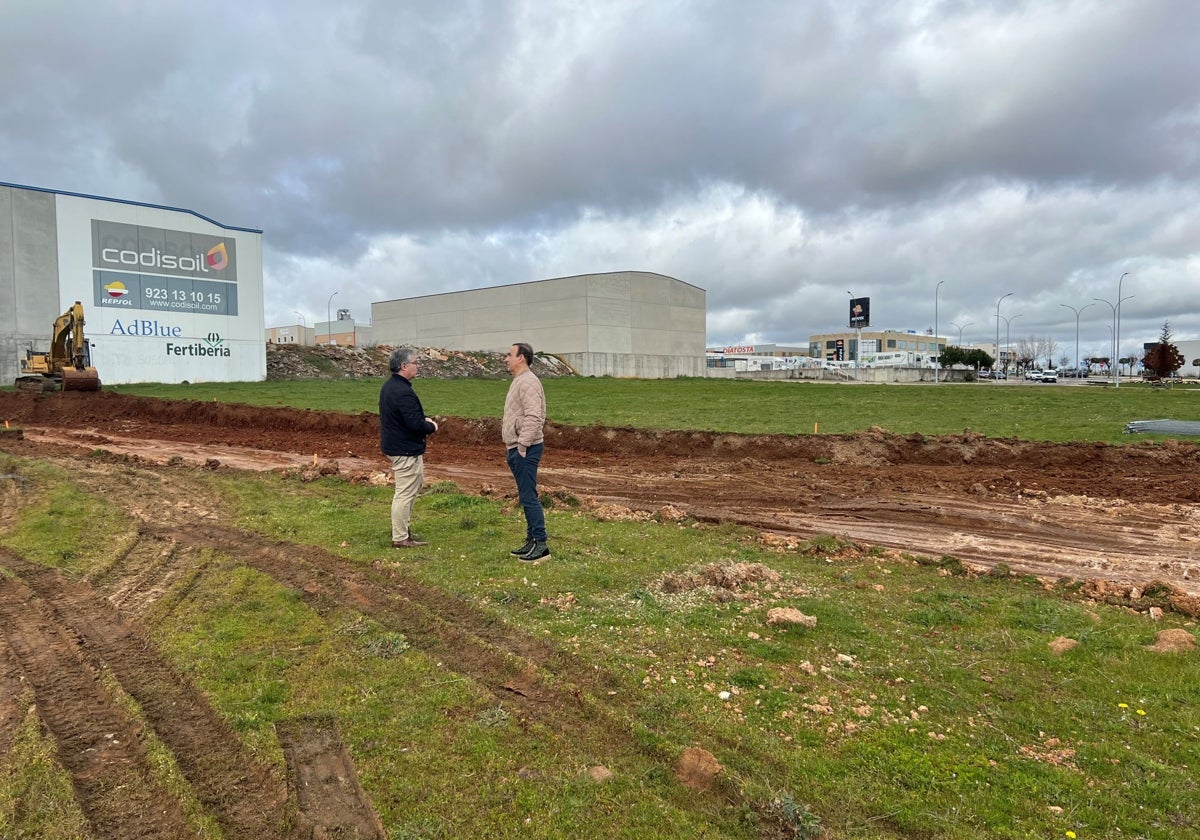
[(291, 361)]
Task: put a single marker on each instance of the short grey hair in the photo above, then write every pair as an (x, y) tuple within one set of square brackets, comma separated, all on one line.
[(400, 357)]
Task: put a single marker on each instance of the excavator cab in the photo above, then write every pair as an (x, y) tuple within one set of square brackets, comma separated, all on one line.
[(68, 364)]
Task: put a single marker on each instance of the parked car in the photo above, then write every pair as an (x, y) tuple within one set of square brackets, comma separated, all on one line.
[(999, 374), (1034, 374), (1049, 375)]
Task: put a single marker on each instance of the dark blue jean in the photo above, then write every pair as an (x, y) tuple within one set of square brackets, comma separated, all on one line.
[(524, 470)]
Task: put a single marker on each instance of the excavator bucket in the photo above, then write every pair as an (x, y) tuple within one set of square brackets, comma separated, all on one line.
[(80, 380)]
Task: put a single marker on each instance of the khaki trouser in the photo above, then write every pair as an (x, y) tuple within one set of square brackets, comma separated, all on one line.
[(408, 472)]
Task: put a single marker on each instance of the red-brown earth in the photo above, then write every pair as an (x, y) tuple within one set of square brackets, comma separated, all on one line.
[(1125, 513), (1122, 518)]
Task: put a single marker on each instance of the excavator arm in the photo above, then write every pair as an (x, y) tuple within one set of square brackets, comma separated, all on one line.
[(69, 361)]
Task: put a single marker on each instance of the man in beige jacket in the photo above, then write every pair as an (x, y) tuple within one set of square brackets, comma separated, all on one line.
[(521, 430)]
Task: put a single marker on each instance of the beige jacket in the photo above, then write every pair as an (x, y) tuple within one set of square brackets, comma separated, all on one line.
[(524, 412)]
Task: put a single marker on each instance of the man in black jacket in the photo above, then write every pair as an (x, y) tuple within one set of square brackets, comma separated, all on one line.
[(403, 428)]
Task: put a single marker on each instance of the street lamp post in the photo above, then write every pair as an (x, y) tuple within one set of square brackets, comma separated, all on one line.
[(960, 329), (1112, 332), (857, 340), (1008, 338), (303, 327), (328, 320), (936, 346), (1114, 340), (1002, 297), (1076, 311), (1117, 338)]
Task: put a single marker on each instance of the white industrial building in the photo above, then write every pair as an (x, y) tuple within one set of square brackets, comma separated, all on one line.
[(624, 323), (168, 295), (1190, 350)]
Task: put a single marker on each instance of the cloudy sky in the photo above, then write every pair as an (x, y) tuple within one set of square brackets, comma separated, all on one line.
[(776, 154)]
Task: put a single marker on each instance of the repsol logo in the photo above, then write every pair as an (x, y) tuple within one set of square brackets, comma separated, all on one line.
[(145, 327)]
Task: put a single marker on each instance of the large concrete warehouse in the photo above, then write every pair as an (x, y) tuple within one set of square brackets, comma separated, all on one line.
[(623, 323), (168, 295)]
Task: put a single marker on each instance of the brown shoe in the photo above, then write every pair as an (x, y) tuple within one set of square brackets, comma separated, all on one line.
[(408, 542)]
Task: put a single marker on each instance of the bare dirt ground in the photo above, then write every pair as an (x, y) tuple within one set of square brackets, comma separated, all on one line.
[(1127, 514), (1120, 518)]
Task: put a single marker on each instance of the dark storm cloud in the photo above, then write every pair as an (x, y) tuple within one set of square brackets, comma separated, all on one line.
[(775, 153)]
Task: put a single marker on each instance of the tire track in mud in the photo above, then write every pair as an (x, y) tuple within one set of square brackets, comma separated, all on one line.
[(801, 480), (98, 743), (543, 683), (13, 699), (141, 575), (60, 642)]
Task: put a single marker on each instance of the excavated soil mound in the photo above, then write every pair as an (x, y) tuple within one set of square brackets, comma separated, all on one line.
[(1090, 510)]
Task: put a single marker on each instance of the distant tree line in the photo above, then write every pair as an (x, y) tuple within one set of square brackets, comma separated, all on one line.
[(973, 358), (1160, 361)]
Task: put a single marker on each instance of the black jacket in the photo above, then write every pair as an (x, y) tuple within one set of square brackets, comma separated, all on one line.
[(402, 424)]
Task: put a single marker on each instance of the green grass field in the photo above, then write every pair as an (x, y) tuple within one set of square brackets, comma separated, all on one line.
[(923, 704), (1000, 409)]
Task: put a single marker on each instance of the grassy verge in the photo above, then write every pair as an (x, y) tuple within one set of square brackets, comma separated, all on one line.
[(36, 799), (1000, 409), (921, 704)]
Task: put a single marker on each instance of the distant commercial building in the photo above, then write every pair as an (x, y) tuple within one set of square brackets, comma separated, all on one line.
[(168, 295), (297, 334), (624, 323), (750, 357), (844, 346), (344, 332)]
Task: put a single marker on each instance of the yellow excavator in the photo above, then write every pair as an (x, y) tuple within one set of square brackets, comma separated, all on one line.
[(68, 364)]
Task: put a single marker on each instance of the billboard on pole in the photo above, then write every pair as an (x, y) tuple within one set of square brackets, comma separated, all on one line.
[(860, 312)]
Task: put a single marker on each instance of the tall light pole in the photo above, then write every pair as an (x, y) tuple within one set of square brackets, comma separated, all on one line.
[(1008, 338), (1002, 297), (857, 338), (303, 327), (1113, 346), (328, 320), (960, 329), (936, 346), (1076, 311), (1109, 327), (1117, 339), (1112, 332)]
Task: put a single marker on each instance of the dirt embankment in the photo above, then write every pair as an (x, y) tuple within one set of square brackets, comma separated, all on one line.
[(1122, 513)]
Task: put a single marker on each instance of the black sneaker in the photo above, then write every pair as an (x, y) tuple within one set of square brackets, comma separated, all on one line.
[(538, 552), (525, 549)]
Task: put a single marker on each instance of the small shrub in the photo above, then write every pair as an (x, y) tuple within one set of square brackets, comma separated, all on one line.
[(387, 646), (792, 818), (953, 565), (493, 718)]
